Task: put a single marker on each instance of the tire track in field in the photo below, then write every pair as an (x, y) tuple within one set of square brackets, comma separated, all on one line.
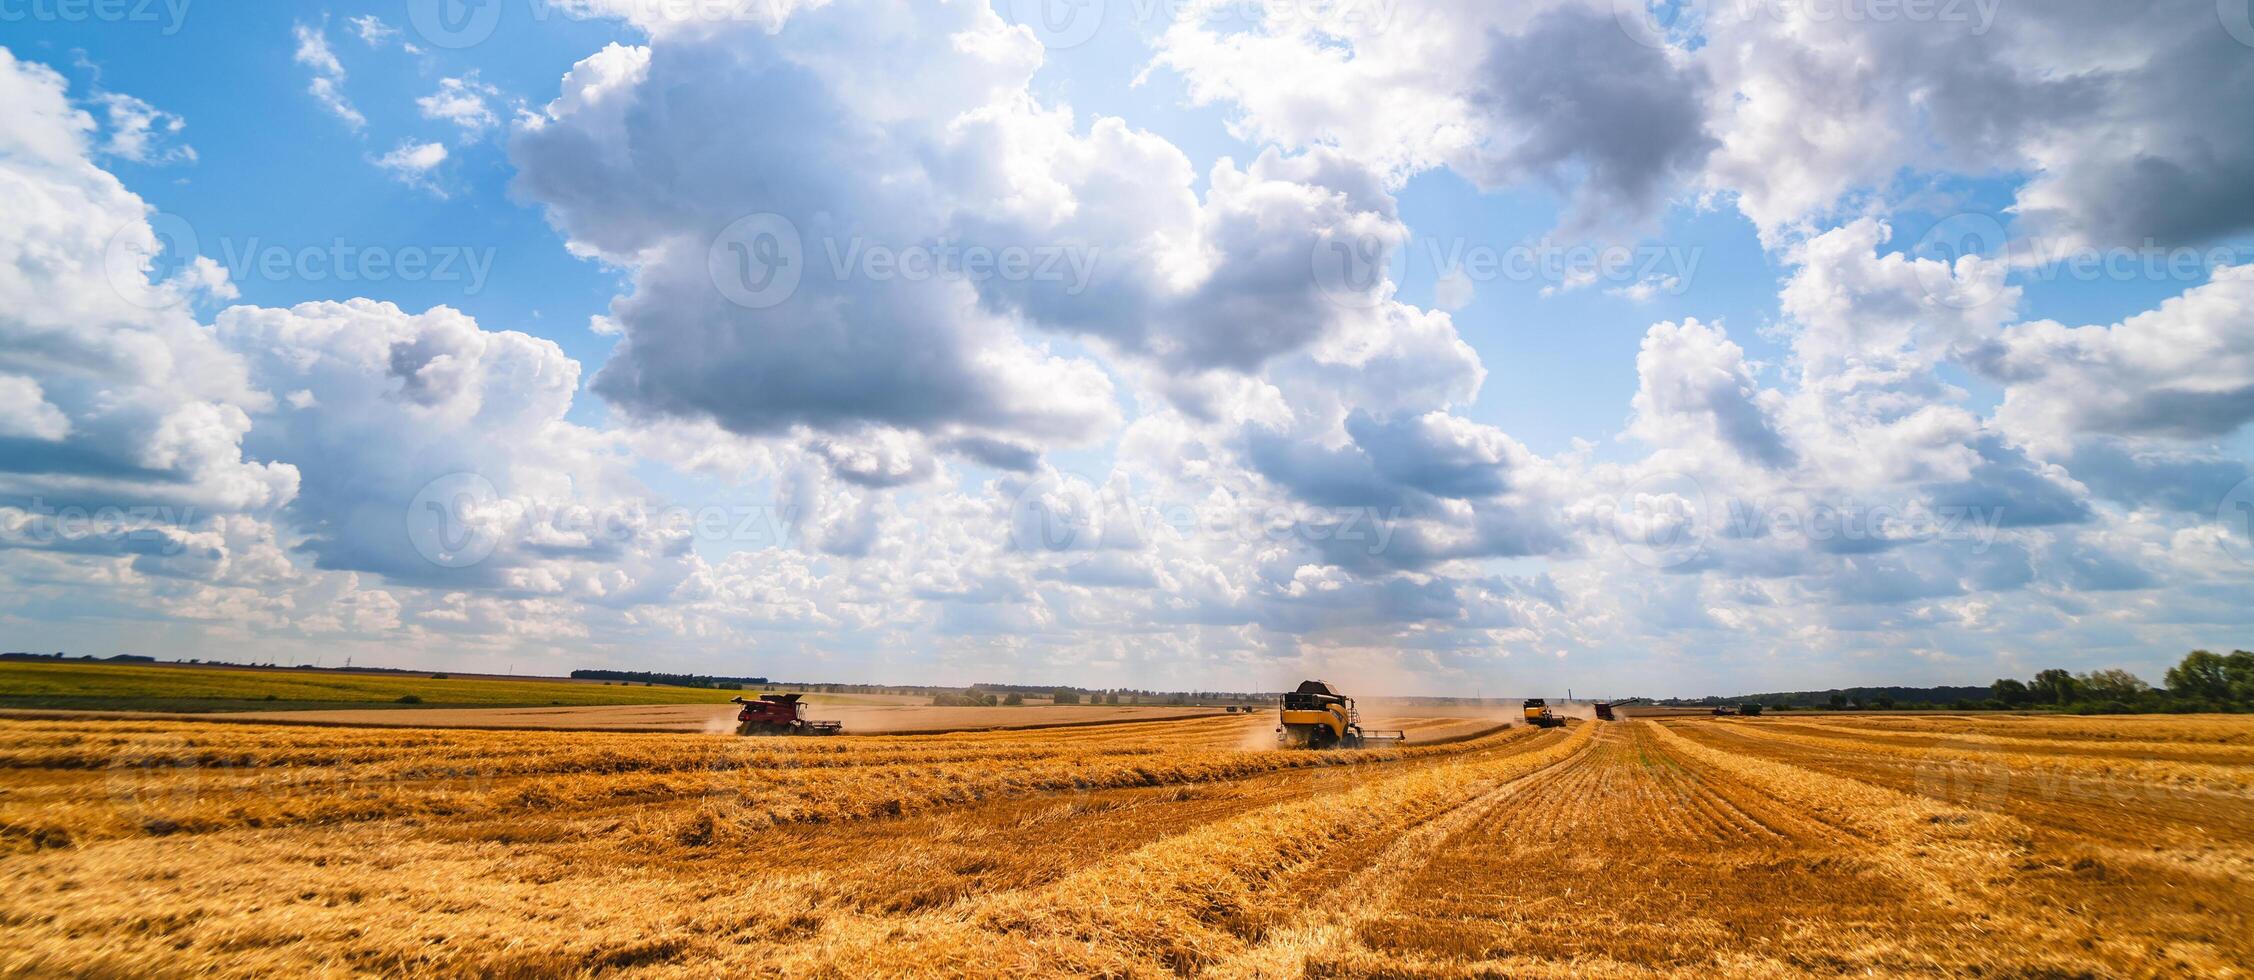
[(1327, 925), (946, 861), (1631, 857), (1313, 772), (2148, 751), (2121, 766), (987, 848), (193, 785), (878, 873), (2116, 811), (2169, 730), (1097, 836), (2035, 895), (1175, 904)]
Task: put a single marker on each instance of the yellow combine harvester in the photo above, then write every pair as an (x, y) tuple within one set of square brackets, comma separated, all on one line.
[(1317, 717), (1538, 714)]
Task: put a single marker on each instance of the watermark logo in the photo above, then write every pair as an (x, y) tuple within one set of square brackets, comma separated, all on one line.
[(454, 24), (1960, 236), (449, 521), (2236, 515), (1352, 269), (154, 780), (138, 275), (1952, 773), (1060, 24), (757, 261), (1656, 520), (2238, 18), (1658, 23), (1054, 513)]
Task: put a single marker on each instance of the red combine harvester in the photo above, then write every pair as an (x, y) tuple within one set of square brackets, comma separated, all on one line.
[(780, 714)]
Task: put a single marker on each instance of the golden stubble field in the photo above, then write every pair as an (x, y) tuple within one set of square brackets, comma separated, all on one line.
[(1784, 845)]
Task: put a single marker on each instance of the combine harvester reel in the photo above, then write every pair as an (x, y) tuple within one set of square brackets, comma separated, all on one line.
[(1317, 717)]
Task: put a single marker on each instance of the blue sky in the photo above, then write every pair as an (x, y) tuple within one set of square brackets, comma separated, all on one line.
[(1513, 478)]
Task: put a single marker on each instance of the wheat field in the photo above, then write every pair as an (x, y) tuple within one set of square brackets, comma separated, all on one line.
[(1769, 846)]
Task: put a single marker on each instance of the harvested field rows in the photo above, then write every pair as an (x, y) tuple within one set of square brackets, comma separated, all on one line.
[(1178, 847)]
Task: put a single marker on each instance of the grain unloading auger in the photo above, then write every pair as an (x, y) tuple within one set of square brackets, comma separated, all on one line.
[(1604, 708), (779, 714), (1317, 717)]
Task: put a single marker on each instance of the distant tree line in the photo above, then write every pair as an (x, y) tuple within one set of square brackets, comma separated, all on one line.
[(1012, 695), (122, 658), (672, 680), (1842, 698), (1124, 695), (2202, 681)]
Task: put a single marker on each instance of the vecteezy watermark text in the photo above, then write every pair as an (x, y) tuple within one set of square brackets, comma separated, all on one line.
[(1980, 235), (1668, 521), (169, 247), (1350, 269), (1063, 24), (460, 520), (455, 24), (1851, 522), (761, 260), (343, 261), (171, 14), (1071, 516), (1071, 266), (1980, 14), (143, 528), (1660, 23)]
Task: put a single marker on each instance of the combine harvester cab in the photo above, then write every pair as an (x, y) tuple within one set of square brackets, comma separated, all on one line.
[(1317, 717), (779, 714)]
